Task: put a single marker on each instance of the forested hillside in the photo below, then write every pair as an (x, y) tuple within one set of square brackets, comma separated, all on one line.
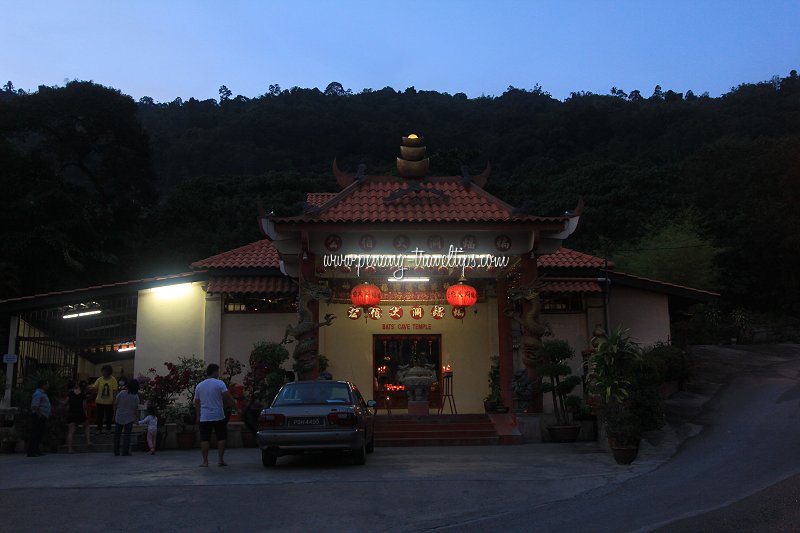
[(690, 189)]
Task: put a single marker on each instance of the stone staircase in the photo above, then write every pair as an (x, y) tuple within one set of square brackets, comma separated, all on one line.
[(101, 442), (436, 430)]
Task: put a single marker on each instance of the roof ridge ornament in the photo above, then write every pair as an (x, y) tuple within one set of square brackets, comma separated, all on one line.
[(414, 186), (479, 180), (412, 163)]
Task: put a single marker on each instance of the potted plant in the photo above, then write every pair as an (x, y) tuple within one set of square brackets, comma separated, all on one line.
[(264, 379), (613, 369), (493, 403), (183, 418), (552, 362), (8, 440)]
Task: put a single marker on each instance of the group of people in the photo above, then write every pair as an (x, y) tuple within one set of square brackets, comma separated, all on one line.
[(119, 401)]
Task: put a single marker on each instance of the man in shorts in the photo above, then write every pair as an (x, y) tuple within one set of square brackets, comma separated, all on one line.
[(211, 401)]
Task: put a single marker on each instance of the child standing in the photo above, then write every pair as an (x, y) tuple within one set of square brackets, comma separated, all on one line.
[(152, 428)]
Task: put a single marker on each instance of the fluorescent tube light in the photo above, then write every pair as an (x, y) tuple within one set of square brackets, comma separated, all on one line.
[(84, 313)]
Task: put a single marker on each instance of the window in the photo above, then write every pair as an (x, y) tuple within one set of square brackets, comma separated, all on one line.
[(260, 303), (565, 302)]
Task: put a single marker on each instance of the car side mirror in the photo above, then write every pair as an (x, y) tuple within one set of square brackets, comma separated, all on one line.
[(372, 404)]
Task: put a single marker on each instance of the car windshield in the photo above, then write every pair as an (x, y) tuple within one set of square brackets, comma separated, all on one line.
[(314, 393)]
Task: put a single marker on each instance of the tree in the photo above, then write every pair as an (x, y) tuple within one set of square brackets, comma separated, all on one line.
[(335, 88), (658, 94), (224, 94), (77, 177), (619, 93), (676, 254)]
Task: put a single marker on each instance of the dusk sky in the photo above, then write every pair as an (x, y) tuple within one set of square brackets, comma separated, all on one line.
[(170, 48)]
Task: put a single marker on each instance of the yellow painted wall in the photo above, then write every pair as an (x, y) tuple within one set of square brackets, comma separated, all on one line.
[(241, 331), (170, 324), (466, 345)]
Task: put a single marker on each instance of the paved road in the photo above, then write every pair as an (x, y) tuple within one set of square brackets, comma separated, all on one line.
[(749, 444)]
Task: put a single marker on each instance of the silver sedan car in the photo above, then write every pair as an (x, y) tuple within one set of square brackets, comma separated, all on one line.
[(313, 416)]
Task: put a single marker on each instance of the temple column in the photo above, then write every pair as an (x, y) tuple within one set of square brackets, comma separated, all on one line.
[(531, 309), (505, 348), (308, 274), (212, 329)]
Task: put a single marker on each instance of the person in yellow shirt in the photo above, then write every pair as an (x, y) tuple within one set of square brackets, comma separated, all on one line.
[(106, 388)]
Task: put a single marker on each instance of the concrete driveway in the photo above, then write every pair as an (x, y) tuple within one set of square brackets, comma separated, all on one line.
[(749, 442)]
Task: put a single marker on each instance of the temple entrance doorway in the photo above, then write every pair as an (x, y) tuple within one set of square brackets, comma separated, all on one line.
[(390, 353)]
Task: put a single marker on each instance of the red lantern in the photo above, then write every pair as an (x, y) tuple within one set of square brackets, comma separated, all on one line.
[(462, 295), (365, 295)]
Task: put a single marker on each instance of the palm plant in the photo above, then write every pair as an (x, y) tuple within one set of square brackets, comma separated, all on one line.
[(612, 374)]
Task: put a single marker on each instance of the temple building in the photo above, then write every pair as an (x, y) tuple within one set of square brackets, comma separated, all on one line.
[(391, 272)]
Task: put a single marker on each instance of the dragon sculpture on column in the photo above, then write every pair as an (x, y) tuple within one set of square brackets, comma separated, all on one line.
[(306, 353), (533, 328)]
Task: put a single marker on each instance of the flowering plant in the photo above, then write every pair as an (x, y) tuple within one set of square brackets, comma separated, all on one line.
[(231, 368), (181, 378)]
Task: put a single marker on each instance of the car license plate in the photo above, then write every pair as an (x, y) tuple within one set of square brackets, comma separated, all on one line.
[(305, 422)]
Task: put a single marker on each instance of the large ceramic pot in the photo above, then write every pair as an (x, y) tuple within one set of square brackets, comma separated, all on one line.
[(248, 439), (564, 433), (185, 440), (624, 453), (417, 380)]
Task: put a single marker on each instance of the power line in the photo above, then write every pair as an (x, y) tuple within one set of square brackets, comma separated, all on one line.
[(664, 248)]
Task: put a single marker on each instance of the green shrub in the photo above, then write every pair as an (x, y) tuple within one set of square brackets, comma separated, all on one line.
[(673, 361)]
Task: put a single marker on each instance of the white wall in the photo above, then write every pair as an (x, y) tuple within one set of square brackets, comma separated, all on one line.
[(645, 313), (169, 324), (572, 328)]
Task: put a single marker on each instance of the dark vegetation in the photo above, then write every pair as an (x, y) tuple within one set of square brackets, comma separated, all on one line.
[(690, 189)]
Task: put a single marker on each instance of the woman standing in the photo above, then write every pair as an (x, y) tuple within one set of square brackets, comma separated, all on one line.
[(126, 408), (77, 412)]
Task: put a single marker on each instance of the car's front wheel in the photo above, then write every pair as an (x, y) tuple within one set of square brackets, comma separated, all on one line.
[(268, 458), (360, 455)]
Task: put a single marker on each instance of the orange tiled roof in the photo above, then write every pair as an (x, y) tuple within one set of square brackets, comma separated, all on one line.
[(568, 258), (364, 202), (571, 286), (259, 254), (318, 198), (251, 284)]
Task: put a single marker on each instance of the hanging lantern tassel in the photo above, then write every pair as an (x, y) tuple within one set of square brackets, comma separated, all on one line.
[(365, 296), (461, 296)]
